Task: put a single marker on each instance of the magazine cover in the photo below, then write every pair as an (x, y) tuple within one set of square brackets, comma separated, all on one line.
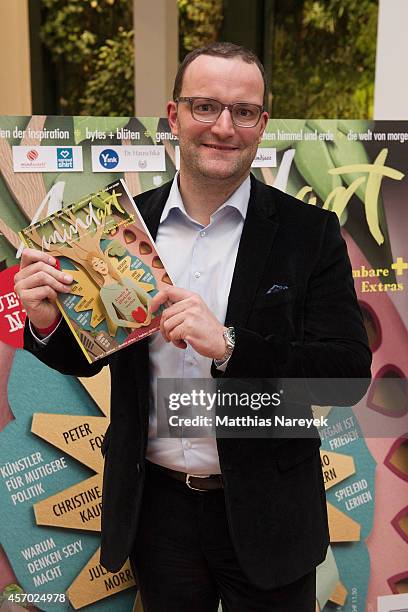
[(102, 241)]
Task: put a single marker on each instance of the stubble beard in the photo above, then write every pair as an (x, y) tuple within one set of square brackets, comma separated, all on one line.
[(200, 168)]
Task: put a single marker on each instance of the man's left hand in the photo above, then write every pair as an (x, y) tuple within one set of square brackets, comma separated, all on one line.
[(189, 320)]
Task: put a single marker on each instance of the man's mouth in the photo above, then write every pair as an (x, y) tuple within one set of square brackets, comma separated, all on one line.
[(220, 147)]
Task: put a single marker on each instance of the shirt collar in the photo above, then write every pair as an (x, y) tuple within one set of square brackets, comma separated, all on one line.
[(238, 200)]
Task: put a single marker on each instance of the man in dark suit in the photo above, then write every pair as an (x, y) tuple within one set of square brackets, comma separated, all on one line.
[(263, 289)]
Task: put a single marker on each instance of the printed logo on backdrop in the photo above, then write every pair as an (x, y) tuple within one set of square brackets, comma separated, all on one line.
[(47, 159), (65, 158), (32, 155), (108, 159), (265, 158), (129, 158)]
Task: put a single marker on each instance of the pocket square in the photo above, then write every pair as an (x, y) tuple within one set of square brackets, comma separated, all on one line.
[(276, 289)]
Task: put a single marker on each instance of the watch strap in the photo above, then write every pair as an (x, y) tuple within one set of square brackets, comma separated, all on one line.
[(229, 337)]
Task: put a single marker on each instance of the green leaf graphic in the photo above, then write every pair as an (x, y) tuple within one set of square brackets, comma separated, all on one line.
[(348, 153), (7, 252), (322, 125), (10, 123), (102, 124), (150, 125), (351, 125), (313, 161), (279, 126)]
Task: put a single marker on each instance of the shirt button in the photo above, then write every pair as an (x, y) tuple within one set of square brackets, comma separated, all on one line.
[(187, 444), (203, 234), (197, 274)]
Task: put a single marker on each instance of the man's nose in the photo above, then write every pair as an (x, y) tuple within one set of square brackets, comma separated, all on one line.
[(224, 127)]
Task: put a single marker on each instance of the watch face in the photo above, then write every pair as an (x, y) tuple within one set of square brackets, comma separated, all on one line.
[(231, 335)]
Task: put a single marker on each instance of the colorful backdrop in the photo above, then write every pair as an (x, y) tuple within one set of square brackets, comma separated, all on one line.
[(52, 426)]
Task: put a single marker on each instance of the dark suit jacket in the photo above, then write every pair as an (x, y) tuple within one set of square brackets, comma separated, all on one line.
[(274, 491)]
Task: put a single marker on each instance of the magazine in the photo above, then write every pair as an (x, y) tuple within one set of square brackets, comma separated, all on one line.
[(103, 242)]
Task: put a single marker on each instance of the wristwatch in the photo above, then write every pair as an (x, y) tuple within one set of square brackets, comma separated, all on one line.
[(229, 337)]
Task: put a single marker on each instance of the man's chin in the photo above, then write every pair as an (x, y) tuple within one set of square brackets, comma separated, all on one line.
[(220, 171)]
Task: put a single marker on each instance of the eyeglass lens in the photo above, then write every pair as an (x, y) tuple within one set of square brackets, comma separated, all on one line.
[(243, 114)]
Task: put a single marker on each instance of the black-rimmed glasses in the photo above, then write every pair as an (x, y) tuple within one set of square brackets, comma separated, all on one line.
[(207, 110)]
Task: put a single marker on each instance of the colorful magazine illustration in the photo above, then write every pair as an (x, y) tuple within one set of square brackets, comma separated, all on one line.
[(103, 242)]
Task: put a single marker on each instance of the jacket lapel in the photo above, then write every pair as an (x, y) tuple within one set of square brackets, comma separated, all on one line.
[(256, 242)]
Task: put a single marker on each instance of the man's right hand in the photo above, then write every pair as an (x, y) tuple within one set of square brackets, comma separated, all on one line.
[(37, 284)]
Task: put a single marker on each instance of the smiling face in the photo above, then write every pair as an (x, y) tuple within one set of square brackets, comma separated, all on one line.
[(99, 266), (219, 150)]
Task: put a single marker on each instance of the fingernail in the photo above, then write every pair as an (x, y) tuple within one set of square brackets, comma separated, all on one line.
[(68, 278), (51, 261)]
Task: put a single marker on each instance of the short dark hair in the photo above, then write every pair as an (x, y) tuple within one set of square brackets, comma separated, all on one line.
[(218, 49)]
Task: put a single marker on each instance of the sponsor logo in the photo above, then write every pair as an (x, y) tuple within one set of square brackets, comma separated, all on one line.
[(109, 159), (47, 158), (265, 158), (32, 155), (128, 158), (65, 158)]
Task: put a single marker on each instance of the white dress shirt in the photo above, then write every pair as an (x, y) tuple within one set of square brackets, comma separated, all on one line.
[(199, 259)]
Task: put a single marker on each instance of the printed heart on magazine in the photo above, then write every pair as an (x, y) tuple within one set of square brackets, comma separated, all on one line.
[(139, 315)]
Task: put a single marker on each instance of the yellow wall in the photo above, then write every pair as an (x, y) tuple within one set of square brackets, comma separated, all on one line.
[(156, 54), (15, 77)]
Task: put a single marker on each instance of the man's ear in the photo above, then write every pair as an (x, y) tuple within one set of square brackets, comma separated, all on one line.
[(172, 117), (263, 123)]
